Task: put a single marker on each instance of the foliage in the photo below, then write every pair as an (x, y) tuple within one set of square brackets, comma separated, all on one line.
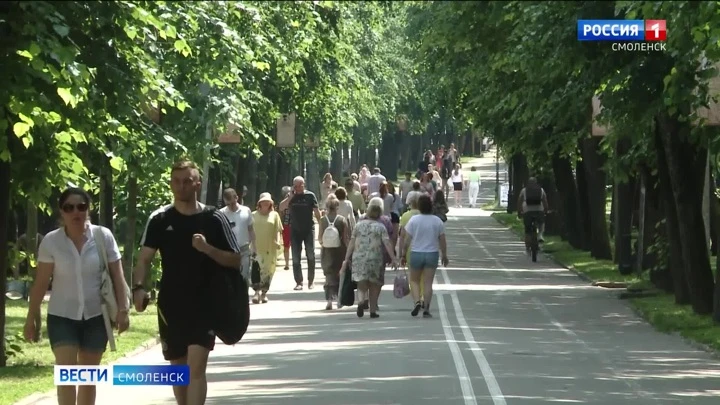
[(517, 68), (122, 89), (12, 345)]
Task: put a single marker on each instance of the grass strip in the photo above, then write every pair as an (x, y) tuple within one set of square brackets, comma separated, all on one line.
[(30, 371)]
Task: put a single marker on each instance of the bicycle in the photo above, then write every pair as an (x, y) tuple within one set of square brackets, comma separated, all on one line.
[(533, 244)]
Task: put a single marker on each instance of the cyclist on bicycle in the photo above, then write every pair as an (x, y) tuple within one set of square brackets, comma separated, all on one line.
[(532, 206)]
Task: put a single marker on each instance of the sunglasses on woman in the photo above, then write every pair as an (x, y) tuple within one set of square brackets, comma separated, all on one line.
[(68, 208)]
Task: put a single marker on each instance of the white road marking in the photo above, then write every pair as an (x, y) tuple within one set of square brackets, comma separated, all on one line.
[(485, 369), (463, 375), (544, 309)]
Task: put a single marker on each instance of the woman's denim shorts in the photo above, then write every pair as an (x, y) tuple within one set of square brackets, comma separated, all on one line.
[(424, 260), (87, 335)]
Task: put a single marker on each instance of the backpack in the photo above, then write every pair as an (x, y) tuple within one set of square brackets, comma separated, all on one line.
[(533, 194), (331, 236), (229, 305)]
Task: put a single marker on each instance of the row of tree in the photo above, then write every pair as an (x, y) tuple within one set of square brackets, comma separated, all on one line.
[(107, 94), (516, 70)]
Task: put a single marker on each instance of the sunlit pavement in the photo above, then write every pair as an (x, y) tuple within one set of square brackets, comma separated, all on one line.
[(505, 331)]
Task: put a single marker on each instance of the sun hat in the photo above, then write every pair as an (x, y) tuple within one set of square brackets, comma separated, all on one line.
[(265, 197)]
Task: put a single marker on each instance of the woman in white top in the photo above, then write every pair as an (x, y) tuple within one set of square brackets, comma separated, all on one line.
[(75, 325), (456, 177), (435, 176), (424, 237), (345, 208)]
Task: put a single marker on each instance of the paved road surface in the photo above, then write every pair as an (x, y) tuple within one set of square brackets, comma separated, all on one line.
[(505, 331)]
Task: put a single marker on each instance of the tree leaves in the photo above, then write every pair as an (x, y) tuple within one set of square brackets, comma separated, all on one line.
[(516, 67)]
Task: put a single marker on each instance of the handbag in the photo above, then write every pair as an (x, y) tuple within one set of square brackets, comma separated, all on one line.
[(255, 272), (107, 290), (346, 293), (401, 287)]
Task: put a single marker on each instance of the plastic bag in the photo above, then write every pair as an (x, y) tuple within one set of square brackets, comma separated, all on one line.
[(401, 287)]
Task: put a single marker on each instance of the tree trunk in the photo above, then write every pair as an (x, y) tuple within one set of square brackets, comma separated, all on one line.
[(262, 177), (581, 180), (300, 131), (240, 174), (251, 179), (346, 168), (716, 301), (31, 237), (520, 176), (312, 182), (553, 223), (131, 221), (12, 237), (285, 172), (336, 164), (408, 147), (4, 222), (274, 181), (652, 219), (596, 198), (686, 165), (355, 151), (389, 152), (212, 194), (106, 214), (570, 201), (714, 215), (675, 263), (323, 165), (623, 226)]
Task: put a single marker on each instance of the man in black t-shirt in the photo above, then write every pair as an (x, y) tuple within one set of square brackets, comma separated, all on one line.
[(302, 205), (193, 241)]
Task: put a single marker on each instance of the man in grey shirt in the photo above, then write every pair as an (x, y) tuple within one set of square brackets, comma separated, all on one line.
[(532, 205), (375, 181), (406, 187)]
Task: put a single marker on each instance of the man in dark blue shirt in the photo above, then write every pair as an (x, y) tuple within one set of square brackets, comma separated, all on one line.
[(192, 240), (302, 205)]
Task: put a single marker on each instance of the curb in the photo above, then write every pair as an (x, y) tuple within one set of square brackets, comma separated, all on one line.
[(38, 398), (697, 345)]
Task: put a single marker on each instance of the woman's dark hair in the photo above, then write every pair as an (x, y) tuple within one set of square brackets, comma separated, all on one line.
[(416, 185), (424, 204), (340, 193), (439, 197), (74, 191)]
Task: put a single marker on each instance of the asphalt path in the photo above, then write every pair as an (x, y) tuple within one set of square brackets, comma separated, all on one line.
[(505, 331)]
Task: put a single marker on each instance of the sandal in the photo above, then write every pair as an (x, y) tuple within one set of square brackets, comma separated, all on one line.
[(416, 310)]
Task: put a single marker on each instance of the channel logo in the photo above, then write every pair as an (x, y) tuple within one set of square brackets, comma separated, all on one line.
[(123, 375), (622, 30)]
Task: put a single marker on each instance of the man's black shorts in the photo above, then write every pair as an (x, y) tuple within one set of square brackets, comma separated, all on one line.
[(528, 217), (179, 330)]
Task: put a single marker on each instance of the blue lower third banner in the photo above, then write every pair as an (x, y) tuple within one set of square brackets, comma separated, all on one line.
[(122, 375)]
